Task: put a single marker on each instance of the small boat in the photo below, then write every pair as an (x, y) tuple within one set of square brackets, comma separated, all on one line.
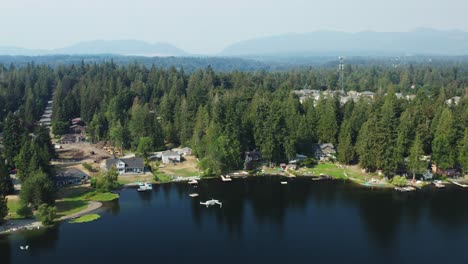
[(405, 189), (24, 247), (212, 202), (193, 182), (145, 187), (193, 194), (226, 178), (439, 184), (284, 182)]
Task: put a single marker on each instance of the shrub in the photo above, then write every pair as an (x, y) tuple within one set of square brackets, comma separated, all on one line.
[(309, 162), (88, 166), (399, 181), (46, 214), (24, 211), (161, 177)]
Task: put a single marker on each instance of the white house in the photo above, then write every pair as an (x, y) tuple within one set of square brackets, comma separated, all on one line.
[(170, 157)]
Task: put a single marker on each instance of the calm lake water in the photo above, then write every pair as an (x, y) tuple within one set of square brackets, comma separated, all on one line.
[(261, 221)]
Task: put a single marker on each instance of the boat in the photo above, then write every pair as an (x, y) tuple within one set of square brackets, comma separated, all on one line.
[(144, 187), (405, 189), (24, 247), (212, 202), (439, 184), (226, 178), (193, 182), (284, 182), (193, 194)]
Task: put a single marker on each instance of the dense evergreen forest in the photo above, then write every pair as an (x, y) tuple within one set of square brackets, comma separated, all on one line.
[(223, 114)]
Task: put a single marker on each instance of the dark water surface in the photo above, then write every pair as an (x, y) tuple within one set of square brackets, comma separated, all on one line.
[(261, 221)]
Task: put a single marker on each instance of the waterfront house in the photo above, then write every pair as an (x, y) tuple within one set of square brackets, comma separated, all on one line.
[(253, 159), (324, 151), (298, 159), (170, 157), (186, 151), (126, 165)]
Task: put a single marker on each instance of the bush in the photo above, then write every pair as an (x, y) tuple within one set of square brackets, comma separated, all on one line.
[(24, 211), (161, 177), (106, 181), (399, 181), (309, 162), (88, 166), (46, 214), (3, 208)]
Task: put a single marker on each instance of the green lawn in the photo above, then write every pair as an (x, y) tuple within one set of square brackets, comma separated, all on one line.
[(104, 197), (184, 172), (13, 206), (74, 199), (85, 218), (331, 170)]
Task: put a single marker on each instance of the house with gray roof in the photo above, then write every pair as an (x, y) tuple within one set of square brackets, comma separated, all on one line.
[(324, 151), (126, 165), (170, 157)]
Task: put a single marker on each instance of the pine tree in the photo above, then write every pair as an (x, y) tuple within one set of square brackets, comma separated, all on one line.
[(463, 152), (345, 145), (327, 125), (415, 164), (12, 134), (3, 208), (6, 185), (444, 152)]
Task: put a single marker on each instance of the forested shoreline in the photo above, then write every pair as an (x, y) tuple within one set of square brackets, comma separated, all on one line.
[(221, 115)]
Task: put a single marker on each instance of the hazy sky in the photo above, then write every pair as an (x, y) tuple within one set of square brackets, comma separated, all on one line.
[(207, 26)]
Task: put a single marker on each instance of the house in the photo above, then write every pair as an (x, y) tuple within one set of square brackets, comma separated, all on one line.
[(170, 157), (368, 94), (298, 159), (252, 160), (448, 172), (183, 151), (128, 165), (428, 175), (453, 101), (77, 121), (324, 151)]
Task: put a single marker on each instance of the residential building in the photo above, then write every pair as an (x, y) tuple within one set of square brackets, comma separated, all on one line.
[(170, 157), (126, 165)]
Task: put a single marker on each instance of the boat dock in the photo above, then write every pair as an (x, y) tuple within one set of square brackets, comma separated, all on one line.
[(460, 184)]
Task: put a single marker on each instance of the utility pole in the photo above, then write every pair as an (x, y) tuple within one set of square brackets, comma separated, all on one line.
[(341, 69)]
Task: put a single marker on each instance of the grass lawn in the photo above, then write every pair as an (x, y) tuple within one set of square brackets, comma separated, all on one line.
[(74, 199), (337, 172), (274, 170), (13, 205), (85, 218), (184, 172), (103, 197), (132, 179)]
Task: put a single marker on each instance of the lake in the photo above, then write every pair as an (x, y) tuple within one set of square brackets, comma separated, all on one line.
[(260, 221)]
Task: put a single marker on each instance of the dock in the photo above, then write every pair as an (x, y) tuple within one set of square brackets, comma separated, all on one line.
[(460, 184)]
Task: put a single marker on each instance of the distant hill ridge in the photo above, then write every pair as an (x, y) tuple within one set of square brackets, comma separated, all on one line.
[(421, 41), (118, 47)]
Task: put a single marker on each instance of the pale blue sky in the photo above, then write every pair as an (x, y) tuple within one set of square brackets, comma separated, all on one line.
[(207, 26)]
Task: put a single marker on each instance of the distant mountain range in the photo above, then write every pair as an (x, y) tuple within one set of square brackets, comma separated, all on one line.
[(321, 43), (333, 43), (117, 47)]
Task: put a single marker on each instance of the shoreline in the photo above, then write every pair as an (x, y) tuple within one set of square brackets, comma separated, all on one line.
[(11, 226)]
